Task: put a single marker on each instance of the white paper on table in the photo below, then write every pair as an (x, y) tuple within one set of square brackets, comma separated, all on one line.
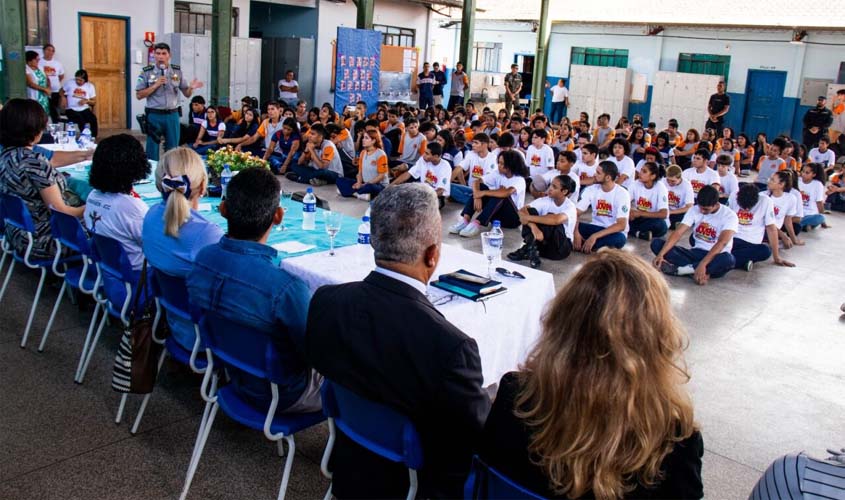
[(204, 207), (293, 247)]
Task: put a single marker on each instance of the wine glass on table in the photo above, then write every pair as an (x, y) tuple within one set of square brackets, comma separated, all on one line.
[(285, 197), (332, 221), (491, 245)]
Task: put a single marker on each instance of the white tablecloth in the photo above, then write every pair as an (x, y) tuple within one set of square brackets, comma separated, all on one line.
[(505, 327)]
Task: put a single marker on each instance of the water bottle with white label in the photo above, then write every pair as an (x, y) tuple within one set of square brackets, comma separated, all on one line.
[(309, 210), (225, 177), (86, 138), (364, 231)]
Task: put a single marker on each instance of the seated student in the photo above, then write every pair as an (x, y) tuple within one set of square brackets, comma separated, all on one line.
[(266, 131), (685, 148), (726, 148), (78, 96), (548, 224), (429, 130), (211, 133), (652, 155), (373, 125), (238, 280), (811, 185), (649, 204), (523, 142), (681, 195), (604, 133), (610, 204), (447, 142), (756, 217), (319, 163), (284, 148), (785, 207), (728, 183), (474, 165), (112, 209), (372, 170), (242, 130), (770, 163), (564, 140), (835, 192), (700, 174), (798, 475), (619, 156), (236, 116), (341, 139), (539, 156), (565, 164), (587, 165), (411, 146), (490, 126), (713, 226), (587, 388), (393, 129), (823, 154), (196, 117), (504, 143), (497, 196), (431, 169)]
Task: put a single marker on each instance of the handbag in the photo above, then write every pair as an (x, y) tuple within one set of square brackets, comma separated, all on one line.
[(136, 362)]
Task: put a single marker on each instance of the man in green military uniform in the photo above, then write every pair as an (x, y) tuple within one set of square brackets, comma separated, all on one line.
[(160, 85), (513, 86)]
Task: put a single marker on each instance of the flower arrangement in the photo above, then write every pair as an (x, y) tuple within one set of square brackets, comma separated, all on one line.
[(237, 160)]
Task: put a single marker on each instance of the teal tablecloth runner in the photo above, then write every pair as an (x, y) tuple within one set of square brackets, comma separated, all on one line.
[(348, 235)]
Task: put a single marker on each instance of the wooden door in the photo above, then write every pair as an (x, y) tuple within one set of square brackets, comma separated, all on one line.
[(104, 57)]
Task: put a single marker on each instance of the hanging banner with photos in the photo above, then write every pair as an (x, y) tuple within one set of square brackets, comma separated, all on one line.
[(357, 67)]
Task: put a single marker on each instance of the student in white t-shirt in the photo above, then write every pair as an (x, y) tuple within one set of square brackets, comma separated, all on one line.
[(505, 142), (498, 196), (811, 185), (77, 97), (756, 218), (54, 70), (681, 195), (618, 155), (587, 165), (822, 154), (565, 166), (785, 207), (211, 129), (539, 156), (610, 204), (548, 224), (713, 226), (112, 209), (700, 175), (728, 183), (649, 204), (431, 169), (289, 90), (474, 165)]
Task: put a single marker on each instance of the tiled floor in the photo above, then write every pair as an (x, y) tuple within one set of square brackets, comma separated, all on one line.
[(765, 355)]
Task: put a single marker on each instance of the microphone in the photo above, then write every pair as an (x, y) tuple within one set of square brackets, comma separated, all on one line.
[(161, 68)]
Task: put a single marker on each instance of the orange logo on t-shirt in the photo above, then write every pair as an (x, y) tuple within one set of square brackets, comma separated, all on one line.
[(535, 160), (805, 197), (777, 211), (706, 232), (696, 185), (643, 204), (604, 209), (79, 93), (477, 171), (745, 217), (49, 71), (674, 200), (430, 178)]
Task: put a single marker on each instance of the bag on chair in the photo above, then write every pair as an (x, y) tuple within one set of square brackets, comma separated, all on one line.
[(136, 362)]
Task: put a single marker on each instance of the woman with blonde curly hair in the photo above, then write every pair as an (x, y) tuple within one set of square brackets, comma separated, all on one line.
[(599, 408)]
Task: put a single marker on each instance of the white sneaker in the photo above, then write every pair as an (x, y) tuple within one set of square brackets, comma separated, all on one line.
[(459, 226), (472, 230), (685, 270), (364, 197)]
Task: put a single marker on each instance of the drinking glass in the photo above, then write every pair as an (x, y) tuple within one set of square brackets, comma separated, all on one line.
[(52, 129), (491, 245), (61, 137), (284, 198), (332, 221)]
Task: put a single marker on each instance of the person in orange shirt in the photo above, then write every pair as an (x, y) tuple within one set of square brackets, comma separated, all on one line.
[(411, 146), (837, 128), (685, 148), (372, 175)]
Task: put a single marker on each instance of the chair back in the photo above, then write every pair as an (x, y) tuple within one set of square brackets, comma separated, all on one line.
[(16, 214), (172, 294), (374, 426), (69, 231), (486, 483), (112, 259)]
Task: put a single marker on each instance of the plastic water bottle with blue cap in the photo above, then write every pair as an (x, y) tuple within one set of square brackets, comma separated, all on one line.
[(225, 177), (364, 231), (86, 138), (72, 130), (309, 210)]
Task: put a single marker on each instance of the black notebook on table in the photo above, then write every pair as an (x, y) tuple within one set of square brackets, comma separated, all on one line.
[(469, 285)]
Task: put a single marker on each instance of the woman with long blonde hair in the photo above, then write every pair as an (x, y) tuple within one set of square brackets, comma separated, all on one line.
[(599, 408)]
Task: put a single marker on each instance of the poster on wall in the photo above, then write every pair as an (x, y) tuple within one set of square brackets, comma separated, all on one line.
[(357, 67)]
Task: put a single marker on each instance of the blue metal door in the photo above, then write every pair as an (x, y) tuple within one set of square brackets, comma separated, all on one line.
[(764, 102)]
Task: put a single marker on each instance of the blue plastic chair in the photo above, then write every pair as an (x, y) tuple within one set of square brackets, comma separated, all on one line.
[(5, 248), (171, 296), (374, 426), (68, 233), (486, 483), (17, 215), (236, 346)]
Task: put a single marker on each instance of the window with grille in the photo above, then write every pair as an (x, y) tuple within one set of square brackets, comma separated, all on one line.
[(195, 18), (704, 64), (396, 36), (592, 56), (487, 56), (37, 22)]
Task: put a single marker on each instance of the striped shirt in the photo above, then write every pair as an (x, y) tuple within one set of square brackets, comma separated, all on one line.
[(799, 476)]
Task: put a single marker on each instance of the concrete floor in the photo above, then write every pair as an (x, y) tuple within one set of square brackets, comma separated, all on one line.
[(765, 356)]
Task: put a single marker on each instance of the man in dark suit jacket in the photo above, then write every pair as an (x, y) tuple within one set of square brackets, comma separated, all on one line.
[(383, 340)]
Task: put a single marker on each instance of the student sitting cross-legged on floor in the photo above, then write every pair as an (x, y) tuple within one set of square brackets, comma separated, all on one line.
[(320, 162), (610, 205), (714, 226), (498, 195), (649, 203), (372, 170), (756, 217), (548, 224), (431, 169)]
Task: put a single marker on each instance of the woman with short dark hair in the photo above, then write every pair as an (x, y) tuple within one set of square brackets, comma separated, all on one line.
[(30, 176), (78, 95)]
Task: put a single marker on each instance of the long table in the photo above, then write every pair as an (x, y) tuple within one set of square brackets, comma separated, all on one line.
[(504, 327)]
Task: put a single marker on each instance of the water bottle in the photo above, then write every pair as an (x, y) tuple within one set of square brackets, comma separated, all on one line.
[(364, 231), (367, 213), (71, 133), (497, 229), (309, 210), (225, 177), (86, 138)]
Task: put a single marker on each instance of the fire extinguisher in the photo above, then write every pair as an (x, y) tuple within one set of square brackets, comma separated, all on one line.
[(149, 42)]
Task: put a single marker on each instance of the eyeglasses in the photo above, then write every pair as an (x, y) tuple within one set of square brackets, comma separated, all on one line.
[(441, 300)]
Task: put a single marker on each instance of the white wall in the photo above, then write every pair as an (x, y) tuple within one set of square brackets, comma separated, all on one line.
[(515, 37), (388, 12), (145, 15)]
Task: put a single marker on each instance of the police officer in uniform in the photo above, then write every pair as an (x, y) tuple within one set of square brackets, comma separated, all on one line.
[(160, 86)]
